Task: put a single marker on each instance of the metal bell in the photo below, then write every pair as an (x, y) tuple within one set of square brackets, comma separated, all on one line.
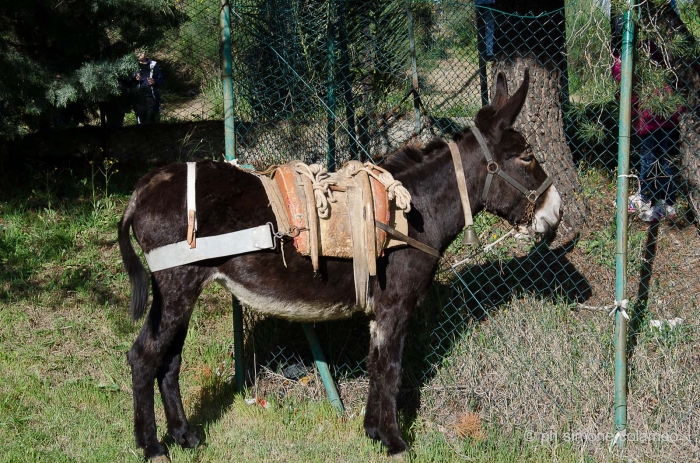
[(470, 237)]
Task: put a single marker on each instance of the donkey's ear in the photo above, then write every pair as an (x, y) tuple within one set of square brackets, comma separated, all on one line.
[(501, 95), (510, 110)]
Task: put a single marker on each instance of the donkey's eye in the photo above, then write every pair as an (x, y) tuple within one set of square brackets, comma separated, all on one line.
[(527, 156)]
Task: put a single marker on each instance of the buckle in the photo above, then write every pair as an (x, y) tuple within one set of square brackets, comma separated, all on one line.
[(532, 196), (492, 167)]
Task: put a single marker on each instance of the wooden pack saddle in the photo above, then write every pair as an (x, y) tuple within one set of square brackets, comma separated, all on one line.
[(333, 214)]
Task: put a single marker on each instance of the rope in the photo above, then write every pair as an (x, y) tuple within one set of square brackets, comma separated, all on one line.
[(639, 183), (622, 307), (484, 249), (394, 188), (619, 439), (321, 182)]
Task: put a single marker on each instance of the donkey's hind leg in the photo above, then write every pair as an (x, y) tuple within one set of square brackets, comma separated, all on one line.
[(155, 354), (169, 383)]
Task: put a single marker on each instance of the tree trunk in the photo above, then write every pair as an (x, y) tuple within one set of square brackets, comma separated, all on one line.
[(538, 43)]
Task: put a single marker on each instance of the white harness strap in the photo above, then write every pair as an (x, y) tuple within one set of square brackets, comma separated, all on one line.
[(191, 250), (228, 244), (191, 205)]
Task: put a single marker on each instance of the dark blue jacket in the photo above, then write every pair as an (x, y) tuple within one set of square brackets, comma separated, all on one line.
[(152, 70)]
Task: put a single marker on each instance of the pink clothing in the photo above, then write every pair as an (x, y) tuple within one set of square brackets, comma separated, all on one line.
[(645, 122)]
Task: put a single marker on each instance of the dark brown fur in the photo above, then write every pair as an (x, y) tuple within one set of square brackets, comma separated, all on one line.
[(229, 199)]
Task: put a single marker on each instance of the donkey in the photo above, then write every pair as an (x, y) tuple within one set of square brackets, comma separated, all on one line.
[(229, 199)]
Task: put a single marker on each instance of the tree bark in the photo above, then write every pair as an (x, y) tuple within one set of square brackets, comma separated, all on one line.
[(539, 44)]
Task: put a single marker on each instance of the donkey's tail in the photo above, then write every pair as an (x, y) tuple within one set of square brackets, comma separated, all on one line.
[(138, 277)]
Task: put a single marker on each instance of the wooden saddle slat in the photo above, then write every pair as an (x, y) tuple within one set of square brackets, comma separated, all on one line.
[(334, 238)]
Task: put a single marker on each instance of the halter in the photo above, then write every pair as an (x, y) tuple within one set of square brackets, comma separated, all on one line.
[(492, 168)]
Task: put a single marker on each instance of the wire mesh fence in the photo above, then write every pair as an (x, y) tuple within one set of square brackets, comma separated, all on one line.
[(519, 332)]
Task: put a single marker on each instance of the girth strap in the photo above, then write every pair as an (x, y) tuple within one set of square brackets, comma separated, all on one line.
[(407, 239), (209, 247)]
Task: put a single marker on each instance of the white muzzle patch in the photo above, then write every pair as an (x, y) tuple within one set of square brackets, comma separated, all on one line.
[(548, 215)]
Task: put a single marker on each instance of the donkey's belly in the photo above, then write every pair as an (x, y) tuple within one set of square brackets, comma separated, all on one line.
[(294, 309)]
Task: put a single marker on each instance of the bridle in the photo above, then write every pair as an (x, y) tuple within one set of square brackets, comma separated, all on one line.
[(492, 169)]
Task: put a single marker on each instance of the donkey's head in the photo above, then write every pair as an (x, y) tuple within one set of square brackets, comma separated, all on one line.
[(515, 185)]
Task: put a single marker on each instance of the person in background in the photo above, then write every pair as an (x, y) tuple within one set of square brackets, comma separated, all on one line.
[(658, 141), (148, 78), (486, 25)]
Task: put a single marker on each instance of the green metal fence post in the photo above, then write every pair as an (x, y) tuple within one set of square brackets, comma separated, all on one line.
[(623, 159), (414, 66), (230, 146), (481, 52), (227, 80), (346, 78), (330, 128), (322, 366)]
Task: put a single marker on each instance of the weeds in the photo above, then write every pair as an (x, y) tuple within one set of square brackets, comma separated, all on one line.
[(101, 170)]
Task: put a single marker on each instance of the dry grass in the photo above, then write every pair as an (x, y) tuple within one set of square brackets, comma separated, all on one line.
[(527, 363)]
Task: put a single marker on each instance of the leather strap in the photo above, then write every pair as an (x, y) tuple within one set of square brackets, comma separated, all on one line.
[(489, 163), (191, 205), (359, 244), (314, 240), (461, 184), (482, 143), (362, 179), (276, 203), (407, 239)]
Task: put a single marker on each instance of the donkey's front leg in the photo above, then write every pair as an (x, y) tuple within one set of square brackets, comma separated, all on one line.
[(387, 334)]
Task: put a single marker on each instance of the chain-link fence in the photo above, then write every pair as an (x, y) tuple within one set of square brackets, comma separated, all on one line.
[(519, 332)]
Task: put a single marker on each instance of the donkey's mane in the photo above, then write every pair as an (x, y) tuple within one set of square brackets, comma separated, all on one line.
[(410, 158)]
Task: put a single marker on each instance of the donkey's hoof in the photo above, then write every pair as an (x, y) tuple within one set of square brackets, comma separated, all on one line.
[(156, 453), (372, 433), (396, 447), (189, 440)]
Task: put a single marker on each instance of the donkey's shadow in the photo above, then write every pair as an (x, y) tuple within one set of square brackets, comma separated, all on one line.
[(482, 289)]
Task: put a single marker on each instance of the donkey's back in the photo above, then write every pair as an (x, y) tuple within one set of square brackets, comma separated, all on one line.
[(276, 282)]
